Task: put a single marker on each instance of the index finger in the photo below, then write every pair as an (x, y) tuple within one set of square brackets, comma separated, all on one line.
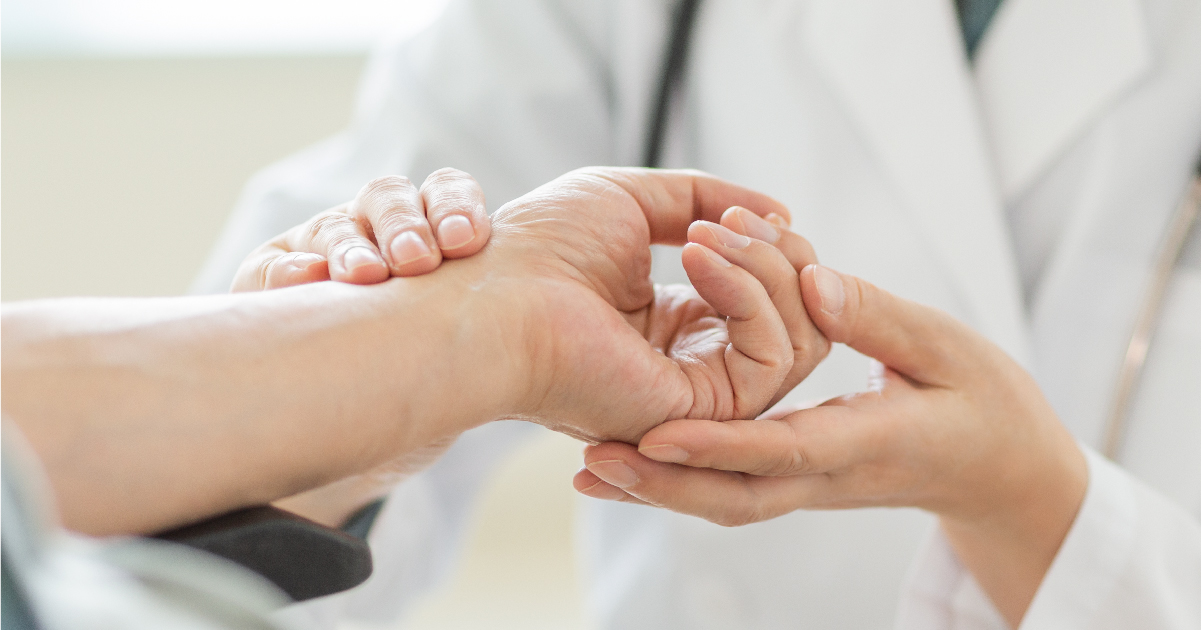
[(672, 199), (817, 440)]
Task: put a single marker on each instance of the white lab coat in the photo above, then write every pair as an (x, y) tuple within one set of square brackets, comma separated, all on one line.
[(902, 164)]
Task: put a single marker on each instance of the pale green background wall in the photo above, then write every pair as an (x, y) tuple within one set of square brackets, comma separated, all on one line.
[(116, 176)]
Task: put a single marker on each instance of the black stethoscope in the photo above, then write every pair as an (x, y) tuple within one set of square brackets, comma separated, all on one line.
[(675, 59)]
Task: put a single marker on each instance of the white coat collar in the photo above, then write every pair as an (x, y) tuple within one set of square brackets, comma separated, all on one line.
[(900, 68), (1041, 84)]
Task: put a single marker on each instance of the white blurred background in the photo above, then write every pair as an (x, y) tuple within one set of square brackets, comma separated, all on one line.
[(128, 128)]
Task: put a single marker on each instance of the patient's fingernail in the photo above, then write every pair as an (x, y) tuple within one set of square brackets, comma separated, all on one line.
[(614, 472), (409, 247), (829, 288), (728, 237), (777, 220), (455, 231), (669, 453), (356, 257), (758, 228)]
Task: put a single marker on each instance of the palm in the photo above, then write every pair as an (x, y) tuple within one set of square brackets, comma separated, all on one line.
[(618, 355)]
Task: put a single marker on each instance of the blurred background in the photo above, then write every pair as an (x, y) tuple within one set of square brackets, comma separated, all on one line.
[(128, 129)]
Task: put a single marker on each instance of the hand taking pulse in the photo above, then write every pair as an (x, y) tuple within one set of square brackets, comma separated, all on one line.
[(390, 229), (951, 425)]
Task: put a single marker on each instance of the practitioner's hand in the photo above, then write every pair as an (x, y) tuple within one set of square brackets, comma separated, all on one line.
[(343, 244), (952, 425), (609, 355), (390, 229)]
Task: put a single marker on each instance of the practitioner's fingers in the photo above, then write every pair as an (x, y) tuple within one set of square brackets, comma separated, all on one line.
[(723, 497), (823, 439), (455, 210), (393, 209), (273, 267), (344, 242)]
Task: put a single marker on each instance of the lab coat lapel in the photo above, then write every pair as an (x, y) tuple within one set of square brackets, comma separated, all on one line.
[(900, 68), (1041, 84)]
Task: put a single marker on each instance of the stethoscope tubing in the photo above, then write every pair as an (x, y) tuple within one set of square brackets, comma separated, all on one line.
[(1147, 321)]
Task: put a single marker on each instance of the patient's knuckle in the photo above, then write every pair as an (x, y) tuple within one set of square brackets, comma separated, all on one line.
[(811, 345), (784, 357), (778, 275)]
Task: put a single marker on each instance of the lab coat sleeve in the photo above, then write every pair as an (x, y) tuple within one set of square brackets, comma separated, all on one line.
[(514, 92), (1132, 559)]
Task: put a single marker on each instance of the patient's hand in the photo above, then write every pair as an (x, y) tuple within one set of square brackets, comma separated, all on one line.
[(601, 352), (390, 229)]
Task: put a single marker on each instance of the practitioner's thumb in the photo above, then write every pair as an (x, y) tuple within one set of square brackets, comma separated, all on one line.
[(920, 342)]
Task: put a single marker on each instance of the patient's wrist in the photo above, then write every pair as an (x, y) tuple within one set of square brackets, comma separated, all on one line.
[(464, 337)]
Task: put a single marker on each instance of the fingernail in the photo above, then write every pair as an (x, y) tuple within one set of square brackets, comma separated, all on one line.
[(777, 221), (712, 255), (614, 472), (455, 231), (728, 237), (758, 228), (409, 247), (303, 261), (829, 288), (602, 490), (669, 453), (356, 257)]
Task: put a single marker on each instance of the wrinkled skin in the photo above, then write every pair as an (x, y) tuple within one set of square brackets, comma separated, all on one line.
[(610, 354)]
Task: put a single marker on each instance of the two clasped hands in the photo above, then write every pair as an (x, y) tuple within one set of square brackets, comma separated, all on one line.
[(147, 414), (668, 383)]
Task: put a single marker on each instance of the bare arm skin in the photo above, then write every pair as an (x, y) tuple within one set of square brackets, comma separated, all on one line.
[(151, 413)]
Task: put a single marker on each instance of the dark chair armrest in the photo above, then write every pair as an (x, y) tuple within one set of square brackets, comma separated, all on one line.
[(304, 559)]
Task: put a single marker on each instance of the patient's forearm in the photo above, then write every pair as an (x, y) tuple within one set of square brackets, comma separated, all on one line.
[(151, 413)]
